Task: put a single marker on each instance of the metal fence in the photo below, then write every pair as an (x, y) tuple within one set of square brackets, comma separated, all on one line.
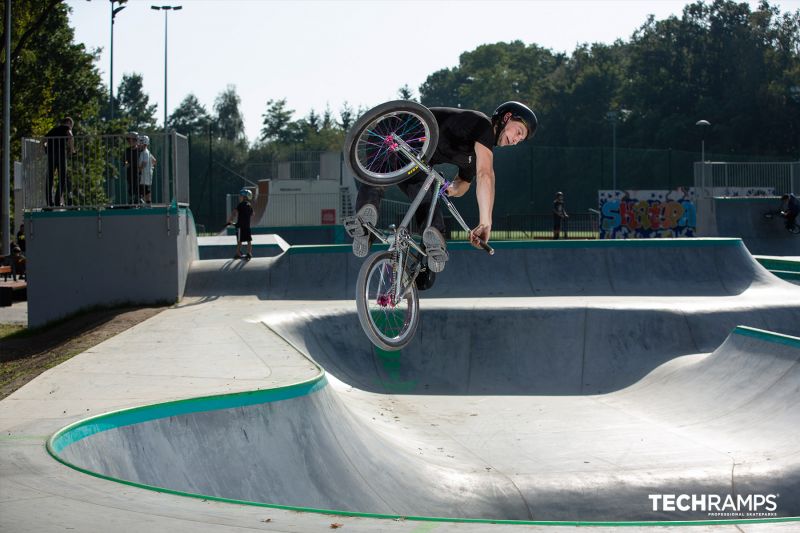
[(96, 171), (725, 178), (504, 227), (301, 209), (301, 165)]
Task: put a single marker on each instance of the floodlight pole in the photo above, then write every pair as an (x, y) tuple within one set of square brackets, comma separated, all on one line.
[(5, 224), (612, 118), (114, 11)]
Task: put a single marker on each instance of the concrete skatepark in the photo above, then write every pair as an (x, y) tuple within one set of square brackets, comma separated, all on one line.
[(555, 381)]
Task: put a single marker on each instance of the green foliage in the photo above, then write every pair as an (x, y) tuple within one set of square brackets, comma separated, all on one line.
[(736, 67), (229, 123), (51, 76), (278, 124), (190, 117), (134, 105)]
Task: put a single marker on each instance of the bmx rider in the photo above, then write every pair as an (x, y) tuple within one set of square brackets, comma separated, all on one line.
[(466, 140)]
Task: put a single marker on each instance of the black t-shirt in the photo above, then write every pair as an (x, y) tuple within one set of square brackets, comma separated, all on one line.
[(245, 211), (459, 130), (132, 162), (57, 141)]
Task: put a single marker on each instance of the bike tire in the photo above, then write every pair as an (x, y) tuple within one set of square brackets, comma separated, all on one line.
[(387, 327), (367, 155), (794, 228)]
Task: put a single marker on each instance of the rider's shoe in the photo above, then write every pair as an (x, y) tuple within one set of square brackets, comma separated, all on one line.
[(435, 248), (354, 226), (425, 280)]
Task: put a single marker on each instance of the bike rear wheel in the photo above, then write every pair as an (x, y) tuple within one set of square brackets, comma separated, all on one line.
[(370, 151), (388, 323)]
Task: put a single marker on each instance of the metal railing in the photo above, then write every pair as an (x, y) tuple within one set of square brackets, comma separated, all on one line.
[(505, 227), (96, 171), (303, 165), (746, 179), (300, 209)]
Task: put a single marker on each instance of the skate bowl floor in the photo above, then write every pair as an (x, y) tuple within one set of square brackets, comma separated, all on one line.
[(636, 383)]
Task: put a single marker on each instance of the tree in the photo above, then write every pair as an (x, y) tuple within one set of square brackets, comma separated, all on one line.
[(190, 117), (406, 93), (134, 104), (230, 124), (52, 76), (346, 117), (277, 123)]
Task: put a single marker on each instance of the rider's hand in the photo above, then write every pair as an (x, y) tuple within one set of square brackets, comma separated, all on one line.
[(481, 232)]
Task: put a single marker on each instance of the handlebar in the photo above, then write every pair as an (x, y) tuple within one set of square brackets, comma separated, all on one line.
[(485, 245)]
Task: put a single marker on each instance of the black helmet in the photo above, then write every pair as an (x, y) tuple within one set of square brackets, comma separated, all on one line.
[(518, 111)]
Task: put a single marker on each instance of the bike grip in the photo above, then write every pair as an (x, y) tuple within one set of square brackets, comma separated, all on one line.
[(485, 246)]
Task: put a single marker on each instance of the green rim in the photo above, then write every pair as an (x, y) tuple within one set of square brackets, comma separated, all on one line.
[(85, 428)]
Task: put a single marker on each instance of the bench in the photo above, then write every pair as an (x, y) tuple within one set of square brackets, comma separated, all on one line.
[(12, 290)]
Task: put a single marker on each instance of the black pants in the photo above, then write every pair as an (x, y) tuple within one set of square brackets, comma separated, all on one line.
[(369, 194), (57, 164), (558, 223), (791, 220)]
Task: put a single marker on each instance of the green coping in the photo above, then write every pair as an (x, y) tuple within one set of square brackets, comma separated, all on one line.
[(768, 336)]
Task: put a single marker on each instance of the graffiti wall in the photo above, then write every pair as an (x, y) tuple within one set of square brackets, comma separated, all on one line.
[(647, 214)]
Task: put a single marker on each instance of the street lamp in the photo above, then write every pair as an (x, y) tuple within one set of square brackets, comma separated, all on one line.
[(703, 124), (114, 11), (166, 10), (164, 158), (612, 117)]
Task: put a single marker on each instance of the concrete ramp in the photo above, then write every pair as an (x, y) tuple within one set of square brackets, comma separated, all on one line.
[(718, 424), (503, 347), (648, 267), (743, 218), (555, 381)]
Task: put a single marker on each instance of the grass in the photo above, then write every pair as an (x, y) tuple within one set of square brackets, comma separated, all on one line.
[(26, 353), (11, 330)]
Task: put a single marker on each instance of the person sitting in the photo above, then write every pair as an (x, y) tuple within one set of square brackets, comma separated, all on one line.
[(17, 262)]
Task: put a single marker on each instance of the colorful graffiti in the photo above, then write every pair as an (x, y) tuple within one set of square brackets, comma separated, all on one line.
[(647, 214)]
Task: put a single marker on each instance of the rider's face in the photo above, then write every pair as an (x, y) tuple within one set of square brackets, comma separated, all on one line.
[(514, 132)]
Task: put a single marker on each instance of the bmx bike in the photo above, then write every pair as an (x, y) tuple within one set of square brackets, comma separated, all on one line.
[(387, 145), (792, 227)]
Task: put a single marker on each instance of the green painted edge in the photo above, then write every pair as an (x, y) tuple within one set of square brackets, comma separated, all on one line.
[(534, 244), (94, 213), (768, 336), (107, 421), (126, 417), (770, 199), (786, 274)]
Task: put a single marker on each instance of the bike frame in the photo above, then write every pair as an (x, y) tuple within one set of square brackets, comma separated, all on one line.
[(402, 240)]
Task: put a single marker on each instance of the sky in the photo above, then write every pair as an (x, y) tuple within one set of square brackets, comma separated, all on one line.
[(319, 54)]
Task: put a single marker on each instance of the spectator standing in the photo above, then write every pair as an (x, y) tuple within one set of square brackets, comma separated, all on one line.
[(21, 237), (58, 144), (560, 216), (243, 214), (131, 158), (790, 207), (146, 164)]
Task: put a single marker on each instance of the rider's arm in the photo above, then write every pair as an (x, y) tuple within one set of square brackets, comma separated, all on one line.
[(484, 189)]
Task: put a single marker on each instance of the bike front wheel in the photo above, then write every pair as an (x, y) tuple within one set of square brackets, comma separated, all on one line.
[(371, 151), (389, 322)]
